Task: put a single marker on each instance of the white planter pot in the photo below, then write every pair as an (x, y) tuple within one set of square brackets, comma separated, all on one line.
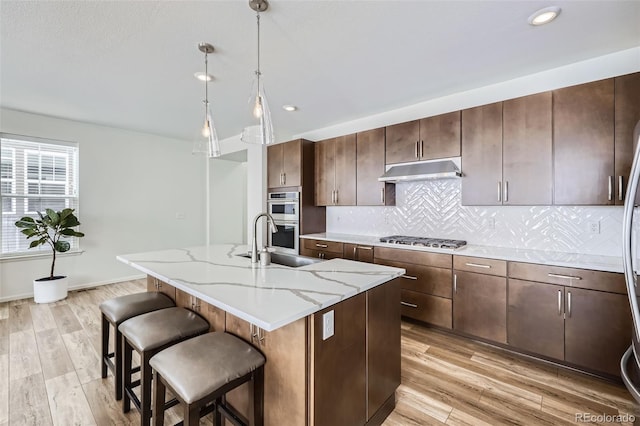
[(47, 291)]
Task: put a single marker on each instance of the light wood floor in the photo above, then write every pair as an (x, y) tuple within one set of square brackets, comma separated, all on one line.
[(50, 374)]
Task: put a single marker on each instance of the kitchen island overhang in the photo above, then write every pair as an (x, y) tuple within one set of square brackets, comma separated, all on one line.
[(269, 297)]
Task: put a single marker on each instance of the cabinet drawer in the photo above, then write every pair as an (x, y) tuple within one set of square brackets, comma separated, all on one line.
[(320, 254), (571, 277), (480, 265), (331, 246), (413, 256), (432, 309), (358, 252), (425, 279)]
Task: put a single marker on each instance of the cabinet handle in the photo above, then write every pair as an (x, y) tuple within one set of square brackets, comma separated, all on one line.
[(421, 149), (559, 302), (336, 202), (620, 192), (410, 305), (408, 277), (253, 331), (382, 195), (568, 277), (610, 187), (321, 245), (261, 336), (284, 178), (506, 191), (417, 143), (500, 191), (569, 303), (478, 265), (365, 248), (355, 252), (455, 283)]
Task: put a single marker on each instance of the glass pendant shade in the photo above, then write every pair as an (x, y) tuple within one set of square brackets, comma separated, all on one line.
[(206, 141), (260, 128)]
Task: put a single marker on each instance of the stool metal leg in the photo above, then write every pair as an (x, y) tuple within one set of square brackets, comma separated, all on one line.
[(127, 352), (191, 414), (118, 362), (158, 400), (105, 344), (257, 397), (145, 391)]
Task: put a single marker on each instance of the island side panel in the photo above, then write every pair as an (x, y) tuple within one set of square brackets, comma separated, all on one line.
[(286, 372), (339, 376), (383, 350)]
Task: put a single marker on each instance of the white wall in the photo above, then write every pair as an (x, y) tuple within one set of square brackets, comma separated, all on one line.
[(132, 188), (228, 180)]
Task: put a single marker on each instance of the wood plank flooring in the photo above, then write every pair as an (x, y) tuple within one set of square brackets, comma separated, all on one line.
[(50, 375)]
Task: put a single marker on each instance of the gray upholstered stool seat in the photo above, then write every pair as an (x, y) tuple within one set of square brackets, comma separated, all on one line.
[(148, 334), (201, 370), (114, 312)]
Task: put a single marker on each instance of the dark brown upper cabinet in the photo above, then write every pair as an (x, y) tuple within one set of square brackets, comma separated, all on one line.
[(583, 138), (425, 139), (527, 177), (369, 167), (284, 164), (335, 169), (482, 155), (627, 114)]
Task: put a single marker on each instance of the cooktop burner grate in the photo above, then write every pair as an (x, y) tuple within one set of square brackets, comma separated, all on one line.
[(423, 241)]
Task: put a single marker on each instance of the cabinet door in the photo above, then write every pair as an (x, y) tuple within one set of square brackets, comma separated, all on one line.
[(482, 155), (274, 166), (425, 307), (440, 136), (325, 172), (527, 151), (154, 284), (320, 254), (480, 305), (402, 142), (597, 329), (345, 170), (383, 344), (583, 144), (369, 167), (291, 163), (358, 252), (536, 318), (627, 114)]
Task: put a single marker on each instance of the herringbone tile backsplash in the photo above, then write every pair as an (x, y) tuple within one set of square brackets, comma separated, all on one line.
[(433, 209)]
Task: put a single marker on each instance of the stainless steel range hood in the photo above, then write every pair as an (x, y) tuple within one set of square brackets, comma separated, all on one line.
[(447, 168)]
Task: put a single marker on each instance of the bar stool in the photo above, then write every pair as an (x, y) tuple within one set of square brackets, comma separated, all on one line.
[(114, 312), (200, 371), (148, 334)]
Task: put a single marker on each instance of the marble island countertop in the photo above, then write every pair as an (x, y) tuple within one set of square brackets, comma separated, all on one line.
[(553, 258), (269, 297)]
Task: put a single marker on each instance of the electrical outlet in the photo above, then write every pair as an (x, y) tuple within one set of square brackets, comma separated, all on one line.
[(327, 325), (490, 223), (594, 227), (180, 215)]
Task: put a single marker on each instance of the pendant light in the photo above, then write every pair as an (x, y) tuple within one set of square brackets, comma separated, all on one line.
[(206, 142), (260, 128)]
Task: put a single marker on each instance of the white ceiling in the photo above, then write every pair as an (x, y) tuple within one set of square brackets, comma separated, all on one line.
[(130, 64)]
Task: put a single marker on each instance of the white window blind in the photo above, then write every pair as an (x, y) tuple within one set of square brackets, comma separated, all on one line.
[(35, 174)]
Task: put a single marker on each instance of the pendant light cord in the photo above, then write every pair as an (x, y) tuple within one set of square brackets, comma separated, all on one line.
[(258, 70), (206, 80)]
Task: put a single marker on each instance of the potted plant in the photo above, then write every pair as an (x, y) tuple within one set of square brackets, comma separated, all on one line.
[(50, 229)]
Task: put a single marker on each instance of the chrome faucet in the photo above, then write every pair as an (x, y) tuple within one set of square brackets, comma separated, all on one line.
[(254, 243)]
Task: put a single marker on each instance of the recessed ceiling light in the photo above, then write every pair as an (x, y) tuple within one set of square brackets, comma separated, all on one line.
[(202, 76), (289, 108), (544, 16)]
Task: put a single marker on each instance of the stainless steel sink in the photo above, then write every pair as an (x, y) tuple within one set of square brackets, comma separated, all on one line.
[(292, 260)]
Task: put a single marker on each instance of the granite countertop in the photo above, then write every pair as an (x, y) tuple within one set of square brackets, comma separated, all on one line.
[(553, 258), (269, 297)]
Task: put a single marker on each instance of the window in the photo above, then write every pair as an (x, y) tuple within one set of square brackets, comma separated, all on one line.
[(35, 174)]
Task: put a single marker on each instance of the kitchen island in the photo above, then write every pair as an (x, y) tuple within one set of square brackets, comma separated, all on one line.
[(330, 330)]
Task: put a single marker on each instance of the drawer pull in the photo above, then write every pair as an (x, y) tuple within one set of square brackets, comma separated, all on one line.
[(409, 277), (569, 277), (321, 245), (410, 305), (455, 283), (364, 248), (559, 302), (478, 265)]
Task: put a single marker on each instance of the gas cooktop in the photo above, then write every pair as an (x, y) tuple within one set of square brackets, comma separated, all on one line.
[(423, 241)]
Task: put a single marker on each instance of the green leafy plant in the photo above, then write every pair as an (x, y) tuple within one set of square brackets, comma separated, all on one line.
[(50, 229)]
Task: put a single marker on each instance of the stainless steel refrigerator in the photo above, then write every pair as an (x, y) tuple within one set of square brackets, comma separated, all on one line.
[(630, 362)]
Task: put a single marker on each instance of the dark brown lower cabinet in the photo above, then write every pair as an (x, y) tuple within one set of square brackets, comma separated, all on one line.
[(480, 305), (426, 307), (357, 252), (536, 318), (597, 329)]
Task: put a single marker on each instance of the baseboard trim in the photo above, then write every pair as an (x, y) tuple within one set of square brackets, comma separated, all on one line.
[(76, 287)]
